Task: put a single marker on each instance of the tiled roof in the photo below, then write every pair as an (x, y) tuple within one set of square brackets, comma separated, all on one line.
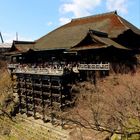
[(72, 33), (22, 46), (92, 41), (5, 45), (69, 35)]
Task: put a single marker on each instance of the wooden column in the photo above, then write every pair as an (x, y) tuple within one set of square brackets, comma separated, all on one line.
[(26, 95), (94, 77), (43, 104), (60, 92), (33, 97), (19, 93)]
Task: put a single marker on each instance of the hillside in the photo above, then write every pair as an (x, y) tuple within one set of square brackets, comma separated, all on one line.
[(112, 106)]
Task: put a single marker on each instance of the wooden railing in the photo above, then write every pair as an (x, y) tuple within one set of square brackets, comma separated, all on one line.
[(16, 68), (94, 66)]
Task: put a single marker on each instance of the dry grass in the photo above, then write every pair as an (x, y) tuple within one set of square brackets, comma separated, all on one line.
[(5, 84), (8, 101)]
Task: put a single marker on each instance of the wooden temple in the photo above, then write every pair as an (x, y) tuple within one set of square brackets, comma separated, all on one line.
[(84, 49)]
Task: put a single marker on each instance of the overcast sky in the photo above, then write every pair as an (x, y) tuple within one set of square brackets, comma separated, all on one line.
[(35, 18)]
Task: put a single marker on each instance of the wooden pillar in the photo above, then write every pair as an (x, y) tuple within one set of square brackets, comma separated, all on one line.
[(43, 104), (52, 115), (50, 91), (94, 77), (19, 93), (60, 92), (33, 97), (26, 95)]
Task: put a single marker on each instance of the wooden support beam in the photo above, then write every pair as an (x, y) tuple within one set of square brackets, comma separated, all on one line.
[(37, 99), (34, 111), (38, 96), (38, 92), (43, 103)]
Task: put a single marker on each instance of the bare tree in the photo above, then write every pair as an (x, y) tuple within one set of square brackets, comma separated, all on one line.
[(113, 111)]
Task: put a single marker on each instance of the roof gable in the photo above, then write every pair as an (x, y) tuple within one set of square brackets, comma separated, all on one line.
[(22, 46), (96, 40), (88, 40)]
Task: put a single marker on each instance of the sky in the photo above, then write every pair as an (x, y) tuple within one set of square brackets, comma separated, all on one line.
[(32, 19)]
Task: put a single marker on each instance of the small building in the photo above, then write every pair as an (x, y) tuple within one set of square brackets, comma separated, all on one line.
[(4, 48)]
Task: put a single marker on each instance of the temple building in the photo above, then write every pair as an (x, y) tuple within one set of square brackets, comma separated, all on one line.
[(84, 49)]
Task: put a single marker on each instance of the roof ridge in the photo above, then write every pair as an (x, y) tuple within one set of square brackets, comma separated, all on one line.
[(97, 15), (26, 42)]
